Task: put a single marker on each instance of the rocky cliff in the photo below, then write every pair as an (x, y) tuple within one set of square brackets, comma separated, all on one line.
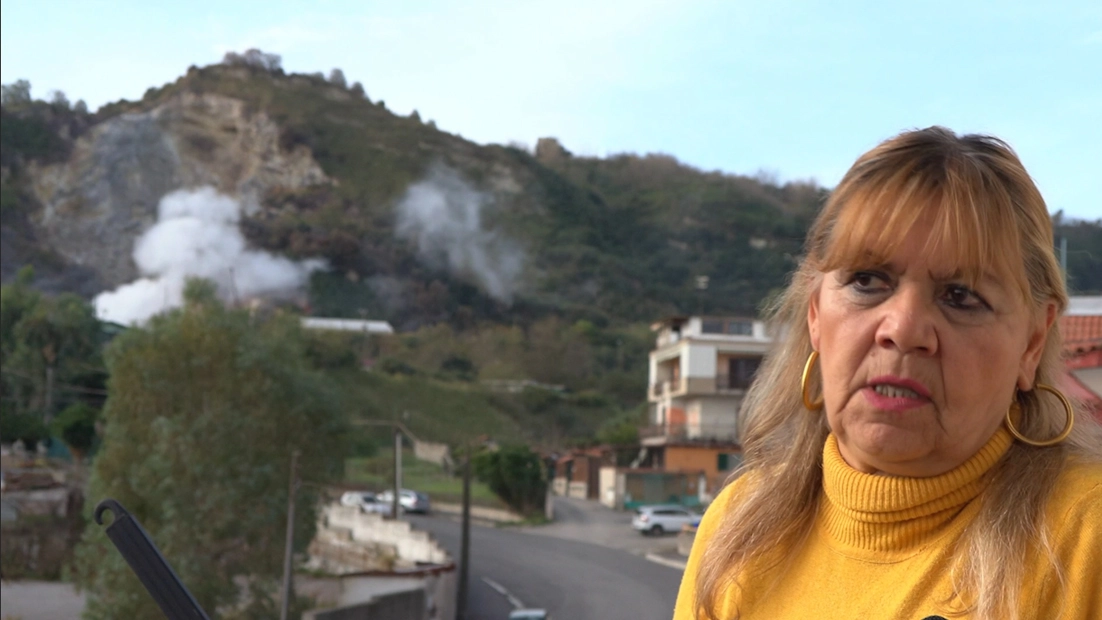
[(96, 203)]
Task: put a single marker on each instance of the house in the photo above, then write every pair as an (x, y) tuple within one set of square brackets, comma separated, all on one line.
[(1081, 327), (699, 372), (576, 473)]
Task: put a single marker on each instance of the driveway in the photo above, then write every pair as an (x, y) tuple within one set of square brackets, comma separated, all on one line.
[(594, 523)]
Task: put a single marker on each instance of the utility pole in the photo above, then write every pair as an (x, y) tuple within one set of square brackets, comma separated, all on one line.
[(465, 542), (48, 406), (288, 584), (395, 504)]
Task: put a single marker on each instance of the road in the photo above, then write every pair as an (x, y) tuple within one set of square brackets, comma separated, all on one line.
[(588, 564), (550, 567)]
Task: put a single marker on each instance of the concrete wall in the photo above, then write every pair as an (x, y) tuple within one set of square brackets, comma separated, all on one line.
[(409, 591), (438, 453), (606, 492), (717, 417), (699, 361), (409, 605), (412, 545), (579, 490), (558, 485)]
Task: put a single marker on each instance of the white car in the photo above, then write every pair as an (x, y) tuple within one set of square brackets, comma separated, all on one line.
[(658, 520), (529, 614), (409, 501), (368, 502)]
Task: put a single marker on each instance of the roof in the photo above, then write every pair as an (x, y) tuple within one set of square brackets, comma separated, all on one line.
[(1081, 332), (348, 325)]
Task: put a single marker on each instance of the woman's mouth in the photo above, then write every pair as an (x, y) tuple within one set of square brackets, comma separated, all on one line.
[(893, 391)]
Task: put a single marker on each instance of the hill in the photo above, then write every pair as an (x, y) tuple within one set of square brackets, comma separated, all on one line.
[(417, 225), (494, 263)]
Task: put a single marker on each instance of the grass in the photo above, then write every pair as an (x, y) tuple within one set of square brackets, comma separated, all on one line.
[(433, 410), (377, 472)]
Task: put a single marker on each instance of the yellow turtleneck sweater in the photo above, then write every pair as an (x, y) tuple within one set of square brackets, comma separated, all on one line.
[(882, 546)]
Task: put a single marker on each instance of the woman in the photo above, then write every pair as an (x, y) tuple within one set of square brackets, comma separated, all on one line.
[(906, 455)]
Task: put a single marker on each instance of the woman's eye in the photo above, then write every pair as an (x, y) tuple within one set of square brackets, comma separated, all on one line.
[(866, 281), (963, 298)]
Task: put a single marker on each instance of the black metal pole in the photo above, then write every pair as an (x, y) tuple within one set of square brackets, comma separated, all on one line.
[(395, 503), (288, 552), (465, 542)]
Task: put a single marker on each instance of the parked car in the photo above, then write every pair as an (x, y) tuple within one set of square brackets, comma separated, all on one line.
[(529, 614), (658, 520), (368, 502), (409, 500)]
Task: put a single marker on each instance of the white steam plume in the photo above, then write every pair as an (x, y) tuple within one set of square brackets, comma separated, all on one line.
[(443, 215), (197, 235)]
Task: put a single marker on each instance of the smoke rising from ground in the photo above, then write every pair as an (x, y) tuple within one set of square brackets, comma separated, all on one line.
[(197, 235), (442, 214)]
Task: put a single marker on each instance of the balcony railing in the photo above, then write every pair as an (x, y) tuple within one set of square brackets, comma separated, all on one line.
[(673, 431), (706, 433), (723, 383), (664, 388), (727, 383)]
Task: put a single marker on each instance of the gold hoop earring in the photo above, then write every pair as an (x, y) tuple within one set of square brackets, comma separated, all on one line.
[(808, 404), (1046, 442)]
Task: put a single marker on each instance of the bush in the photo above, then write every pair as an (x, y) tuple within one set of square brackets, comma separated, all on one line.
[(25, 427), (516, 475), (76, 426), (393, 366)]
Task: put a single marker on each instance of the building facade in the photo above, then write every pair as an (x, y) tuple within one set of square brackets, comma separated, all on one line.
[(699, 372)]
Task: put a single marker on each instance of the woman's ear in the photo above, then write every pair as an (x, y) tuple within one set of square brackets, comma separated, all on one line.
[(1035, 347)]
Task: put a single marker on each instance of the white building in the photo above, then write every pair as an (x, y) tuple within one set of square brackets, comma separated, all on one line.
[(699, 372)]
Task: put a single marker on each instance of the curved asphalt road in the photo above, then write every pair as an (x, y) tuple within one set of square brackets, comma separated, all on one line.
[(573, 580)]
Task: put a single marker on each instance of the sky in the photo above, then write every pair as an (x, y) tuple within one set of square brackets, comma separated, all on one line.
[(792, 89)]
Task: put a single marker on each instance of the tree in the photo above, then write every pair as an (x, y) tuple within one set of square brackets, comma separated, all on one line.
[(49, 347), (254, 58), (205, 407), (58, 99), (15, 94), (336, 77), (515, 474), (76, 426)]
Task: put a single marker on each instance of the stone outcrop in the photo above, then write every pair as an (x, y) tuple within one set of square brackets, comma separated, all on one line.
[(95, 204)]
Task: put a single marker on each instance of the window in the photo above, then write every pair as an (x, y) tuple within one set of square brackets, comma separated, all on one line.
[(731, 327), (740, 371), (740, 328), (728, 461), (711, 326)]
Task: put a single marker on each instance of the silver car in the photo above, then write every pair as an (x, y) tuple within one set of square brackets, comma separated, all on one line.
[(368, 502), (658, 520), (408, 500)]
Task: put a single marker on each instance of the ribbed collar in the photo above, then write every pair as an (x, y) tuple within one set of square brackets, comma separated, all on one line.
[(865, 513)]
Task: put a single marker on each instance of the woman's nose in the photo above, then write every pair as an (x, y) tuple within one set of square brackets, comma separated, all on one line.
[(907, 323)]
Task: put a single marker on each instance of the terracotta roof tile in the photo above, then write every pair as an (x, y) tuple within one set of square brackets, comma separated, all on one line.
[(1081, 333)]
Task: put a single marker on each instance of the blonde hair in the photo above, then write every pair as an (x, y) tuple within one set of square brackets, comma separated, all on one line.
[(988, 216)]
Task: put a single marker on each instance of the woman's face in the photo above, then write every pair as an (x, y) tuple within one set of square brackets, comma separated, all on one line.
[(919, 367)]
